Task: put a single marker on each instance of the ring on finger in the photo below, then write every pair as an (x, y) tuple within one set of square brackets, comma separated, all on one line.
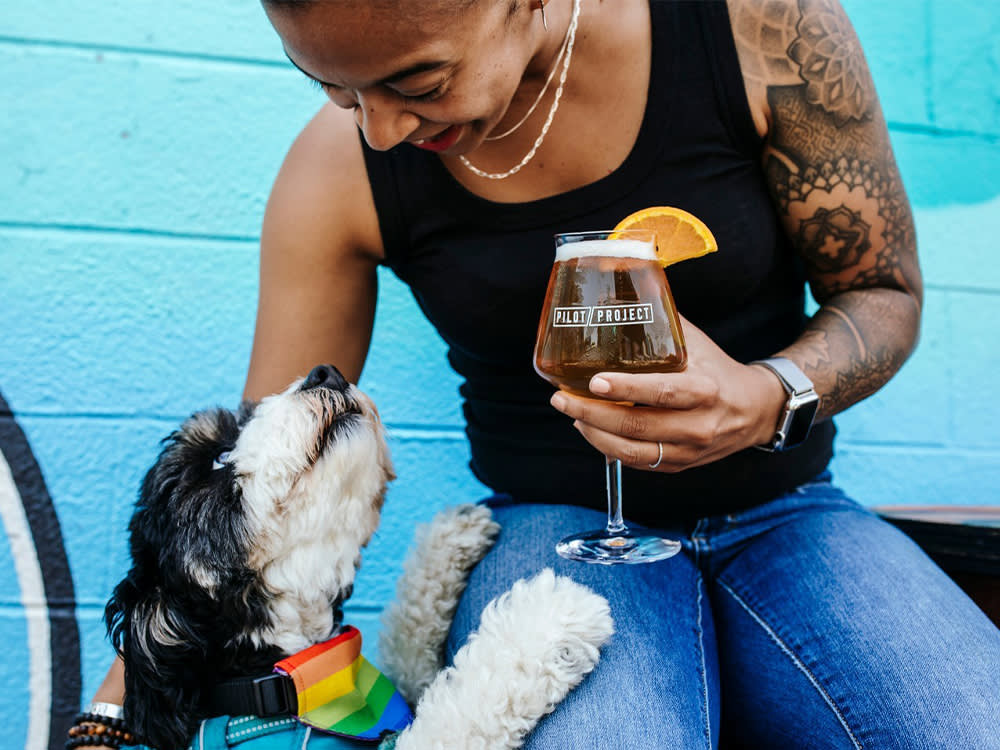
[(658, 458)]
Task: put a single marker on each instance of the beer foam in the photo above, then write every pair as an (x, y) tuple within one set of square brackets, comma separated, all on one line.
[(606, 249)]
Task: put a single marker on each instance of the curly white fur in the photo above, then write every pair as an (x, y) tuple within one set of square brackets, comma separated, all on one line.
[(535, 643), (415, 625)]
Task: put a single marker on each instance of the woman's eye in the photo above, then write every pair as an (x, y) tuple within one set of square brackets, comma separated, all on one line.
[(346, 100), (435, 93), (337, 95)]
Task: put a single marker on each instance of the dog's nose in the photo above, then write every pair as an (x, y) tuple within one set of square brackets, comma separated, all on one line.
[(325, 376)]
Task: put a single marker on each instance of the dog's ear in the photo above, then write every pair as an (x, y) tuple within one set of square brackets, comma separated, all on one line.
[(164, 662)]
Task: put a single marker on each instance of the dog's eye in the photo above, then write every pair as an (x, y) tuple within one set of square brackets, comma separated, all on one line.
[(220, 461)]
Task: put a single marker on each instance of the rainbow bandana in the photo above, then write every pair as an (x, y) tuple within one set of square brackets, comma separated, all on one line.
[(340, 692)]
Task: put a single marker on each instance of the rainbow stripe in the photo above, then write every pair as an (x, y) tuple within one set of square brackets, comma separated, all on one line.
[(340, 692)]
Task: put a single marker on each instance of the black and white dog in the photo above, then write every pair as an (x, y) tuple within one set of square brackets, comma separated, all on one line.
[(245, 543)]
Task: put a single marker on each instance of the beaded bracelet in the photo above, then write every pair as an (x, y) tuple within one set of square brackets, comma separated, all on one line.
[(91, 729), (89, 740)]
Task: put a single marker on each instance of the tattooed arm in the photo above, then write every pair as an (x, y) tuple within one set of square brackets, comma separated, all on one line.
[(831, 171)]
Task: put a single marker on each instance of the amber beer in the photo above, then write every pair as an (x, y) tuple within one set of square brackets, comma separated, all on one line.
[(608, 307)]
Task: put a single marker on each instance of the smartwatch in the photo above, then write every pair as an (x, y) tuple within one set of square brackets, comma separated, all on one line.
[(800, 409)]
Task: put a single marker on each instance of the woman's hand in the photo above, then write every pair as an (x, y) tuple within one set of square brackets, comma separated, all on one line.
[(715, 407)]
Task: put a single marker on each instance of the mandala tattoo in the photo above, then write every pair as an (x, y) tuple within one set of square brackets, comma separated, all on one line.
[(834, 239), (764, 31), (840, 238), (825, 51), (835, 182)]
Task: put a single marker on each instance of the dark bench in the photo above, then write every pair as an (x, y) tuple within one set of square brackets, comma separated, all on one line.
[(964, 541)]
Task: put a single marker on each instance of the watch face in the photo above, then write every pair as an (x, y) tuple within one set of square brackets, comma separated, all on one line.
[(802, 412)]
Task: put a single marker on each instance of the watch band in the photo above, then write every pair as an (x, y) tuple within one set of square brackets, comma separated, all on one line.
[(800, 408)]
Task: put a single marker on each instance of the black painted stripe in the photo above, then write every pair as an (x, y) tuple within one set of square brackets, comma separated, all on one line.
[(56, 576)]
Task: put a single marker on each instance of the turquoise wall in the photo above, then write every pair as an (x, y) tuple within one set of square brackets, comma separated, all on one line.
[(139, 140)]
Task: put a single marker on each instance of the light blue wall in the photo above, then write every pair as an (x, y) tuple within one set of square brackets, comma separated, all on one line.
[(139, 140)]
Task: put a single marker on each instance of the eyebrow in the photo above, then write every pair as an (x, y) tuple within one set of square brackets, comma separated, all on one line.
[(422, 67)]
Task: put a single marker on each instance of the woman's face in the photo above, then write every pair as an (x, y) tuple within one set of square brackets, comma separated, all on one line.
[(412, 71)]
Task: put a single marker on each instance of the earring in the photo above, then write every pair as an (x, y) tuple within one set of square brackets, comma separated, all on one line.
[(545, 24)]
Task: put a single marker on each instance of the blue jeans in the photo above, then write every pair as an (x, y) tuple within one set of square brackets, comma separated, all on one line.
[(807, 622)]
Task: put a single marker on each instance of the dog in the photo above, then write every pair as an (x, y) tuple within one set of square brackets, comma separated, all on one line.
[(245, 542)]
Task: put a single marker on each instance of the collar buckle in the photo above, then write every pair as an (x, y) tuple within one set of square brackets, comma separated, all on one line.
[(274, 695)]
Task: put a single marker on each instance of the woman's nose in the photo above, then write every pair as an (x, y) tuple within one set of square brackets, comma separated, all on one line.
[(383, 120)]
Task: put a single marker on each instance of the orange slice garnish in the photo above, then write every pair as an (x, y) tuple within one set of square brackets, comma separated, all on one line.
[(679, 234)]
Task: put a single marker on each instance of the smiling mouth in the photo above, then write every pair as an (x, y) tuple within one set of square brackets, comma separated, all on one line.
[(442, 141)]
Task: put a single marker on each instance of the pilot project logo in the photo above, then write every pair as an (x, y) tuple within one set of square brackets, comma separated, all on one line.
[(602, 315)]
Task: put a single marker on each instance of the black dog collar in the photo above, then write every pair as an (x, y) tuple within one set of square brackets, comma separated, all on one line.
[(268, 695)]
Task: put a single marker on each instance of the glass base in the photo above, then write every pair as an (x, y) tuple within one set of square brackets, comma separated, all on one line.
[(602, 548)]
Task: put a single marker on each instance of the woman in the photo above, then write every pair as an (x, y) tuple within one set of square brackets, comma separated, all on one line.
[(794, 618)]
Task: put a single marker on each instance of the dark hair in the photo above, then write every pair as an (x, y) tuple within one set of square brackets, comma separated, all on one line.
[(452, 5)]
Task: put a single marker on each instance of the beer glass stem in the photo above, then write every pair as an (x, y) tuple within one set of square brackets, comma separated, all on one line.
[(614, 476)]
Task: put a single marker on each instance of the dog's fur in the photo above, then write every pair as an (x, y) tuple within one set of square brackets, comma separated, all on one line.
[(245, 543)]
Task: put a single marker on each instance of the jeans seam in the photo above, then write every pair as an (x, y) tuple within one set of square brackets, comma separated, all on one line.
[(704, 668), (799, 664), (699, 543)]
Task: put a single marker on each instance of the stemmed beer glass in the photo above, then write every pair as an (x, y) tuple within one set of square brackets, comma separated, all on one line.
[(608, 308)]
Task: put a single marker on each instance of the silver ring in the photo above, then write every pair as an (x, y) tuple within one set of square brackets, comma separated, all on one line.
[(658, 458)]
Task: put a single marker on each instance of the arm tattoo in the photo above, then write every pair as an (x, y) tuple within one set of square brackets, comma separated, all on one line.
[(864, 360), (830, 168), (840, 192)]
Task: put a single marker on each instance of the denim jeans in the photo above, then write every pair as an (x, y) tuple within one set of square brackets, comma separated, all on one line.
[(807, 622)]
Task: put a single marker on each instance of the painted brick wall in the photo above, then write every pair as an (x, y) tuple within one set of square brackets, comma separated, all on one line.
[(138, 142)]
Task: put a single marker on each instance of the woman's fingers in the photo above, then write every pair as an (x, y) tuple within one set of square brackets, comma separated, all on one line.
[(666, 406), (641, 454), (687, 427), (629, 421), (680, 390)]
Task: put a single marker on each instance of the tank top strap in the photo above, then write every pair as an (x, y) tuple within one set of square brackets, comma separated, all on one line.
[(734, 108), (701, 35)]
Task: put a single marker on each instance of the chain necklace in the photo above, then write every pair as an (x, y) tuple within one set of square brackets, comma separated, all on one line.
[(538, 99), (568, 46)]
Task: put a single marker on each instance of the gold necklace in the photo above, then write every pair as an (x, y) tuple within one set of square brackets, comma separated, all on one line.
[(568, 46)]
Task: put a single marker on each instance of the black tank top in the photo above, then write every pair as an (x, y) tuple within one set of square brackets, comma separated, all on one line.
[(479, 270)]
